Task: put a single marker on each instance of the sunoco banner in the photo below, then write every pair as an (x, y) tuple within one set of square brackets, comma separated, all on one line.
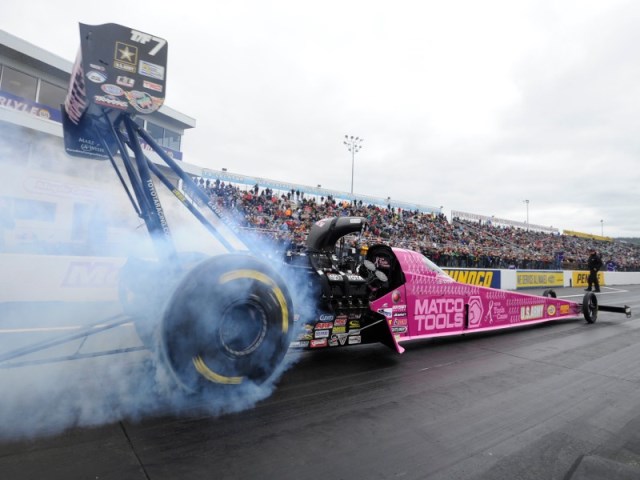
[(481, 278)]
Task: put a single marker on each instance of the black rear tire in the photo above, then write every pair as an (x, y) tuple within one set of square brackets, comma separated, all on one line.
[(228, 322), (549, 293), (590, 307)]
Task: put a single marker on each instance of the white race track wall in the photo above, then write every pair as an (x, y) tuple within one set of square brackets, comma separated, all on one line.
[(51, 278)]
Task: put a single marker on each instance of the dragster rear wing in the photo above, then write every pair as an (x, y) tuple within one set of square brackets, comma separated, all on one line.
[(117, 70), (120, 73)]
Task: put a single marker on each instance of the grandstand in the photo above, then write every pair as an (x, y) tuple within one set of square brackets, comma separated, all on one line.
[(468, 240), (53, 208)]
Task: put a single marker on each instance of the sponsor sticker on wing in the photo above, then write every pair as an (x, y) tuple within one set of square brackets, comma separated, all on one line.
[(152, 70)]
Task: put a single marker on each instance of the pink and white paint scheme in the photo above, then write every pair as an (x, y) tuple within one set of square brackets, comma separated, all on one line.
[(430, 304)]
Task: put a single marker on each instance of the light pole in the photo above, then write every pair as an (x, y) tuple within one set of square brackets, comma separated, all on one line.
[(354, 144), (527, 202), (602, 228)]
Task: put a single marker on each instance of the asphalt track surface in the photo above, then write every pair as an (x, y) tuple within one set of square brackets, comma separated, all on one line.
[(553, 401)]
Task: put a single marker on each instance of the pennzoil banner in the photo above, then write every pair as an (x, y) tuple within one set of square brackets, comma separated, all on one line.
[(581, 278), (481, 278), (533, 279)]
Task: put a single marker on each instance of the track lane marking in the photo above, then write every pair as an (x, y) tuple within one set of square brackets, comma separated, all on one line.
[(54, 329), (615, 290)]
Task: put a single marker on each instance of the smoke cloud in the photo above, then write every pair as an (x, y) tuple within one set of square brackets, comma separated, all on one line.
[(51, 206)]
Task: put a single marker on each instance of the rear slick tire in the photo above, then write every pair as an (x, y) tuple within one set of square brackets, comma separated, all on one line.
[(228, 322)]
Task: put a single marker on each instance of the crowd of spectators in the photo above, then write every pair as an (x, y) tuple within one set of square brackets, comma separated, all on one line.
[(285, 218)]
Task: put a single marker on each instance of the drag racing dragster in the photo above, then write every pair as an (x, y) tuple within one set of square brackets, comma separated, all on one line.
[(228, 319), (393, 295)]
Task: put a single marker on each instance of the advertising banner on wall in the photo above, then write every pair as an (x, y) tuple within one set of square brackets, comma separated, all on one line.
[(581, 279), (539, 279), (481, 278)]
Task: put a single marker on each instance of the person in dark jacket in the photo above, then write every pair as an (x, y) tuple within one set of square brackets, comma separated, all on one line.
[(594, 263)]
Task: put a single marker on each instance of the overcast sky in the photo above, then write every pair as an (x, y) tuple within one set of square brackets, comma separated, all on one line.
[(471, 105)]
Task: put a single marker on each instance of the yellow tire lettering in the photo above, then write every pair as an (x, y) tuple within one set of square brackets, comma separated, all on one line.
[(212, 376), (261, 277)]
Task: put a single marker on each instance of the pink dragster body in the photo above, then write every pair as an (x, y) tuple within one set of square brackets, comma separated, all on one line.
[(393, 295), (429, 303)]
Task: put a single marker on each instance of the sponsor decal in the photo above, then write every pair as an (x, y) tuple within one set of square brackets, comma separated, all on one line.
[(127, 82), (399, 329), (564, 309), (326, 317), (324, 325), (354, 332), (539, 279), (152, 70), (396, 297), (399, 322), (476, 310), (96, 77), (399, 309), (381, 262), (340, 338), (354, 316), (334, 277), (111, 89), (439, 313), (355, 340), (317, 343), (97, 67), (322, 334), (333, 341), (386, 312), (339, 329), (305, 336), (497, 313), (299, 344), (142, 101), (152, 86), (340, 321), (551, 310), (354, 324), (125, 57), (108, 101), (531, 312)]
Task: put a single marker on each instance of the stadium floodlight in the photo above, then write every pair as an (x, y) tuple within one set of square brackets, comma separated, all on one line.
[(527, 202), (354, 144)]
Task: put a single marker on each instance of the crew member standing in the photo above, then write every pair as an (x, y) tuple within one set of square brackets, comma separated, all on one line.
[(594, 264)]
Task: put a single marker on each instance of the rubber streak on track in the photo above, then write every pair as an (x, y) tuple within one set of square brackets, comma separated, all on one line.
[(553, 401)]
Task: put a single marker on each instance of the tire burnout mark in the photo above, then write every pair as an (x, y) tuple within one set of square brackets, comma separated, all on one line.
[(200, 365)]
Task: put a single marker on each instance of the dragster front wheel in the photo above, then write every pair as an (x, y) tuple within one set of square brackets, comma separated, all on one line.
[(590, 307), (228, 322)]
